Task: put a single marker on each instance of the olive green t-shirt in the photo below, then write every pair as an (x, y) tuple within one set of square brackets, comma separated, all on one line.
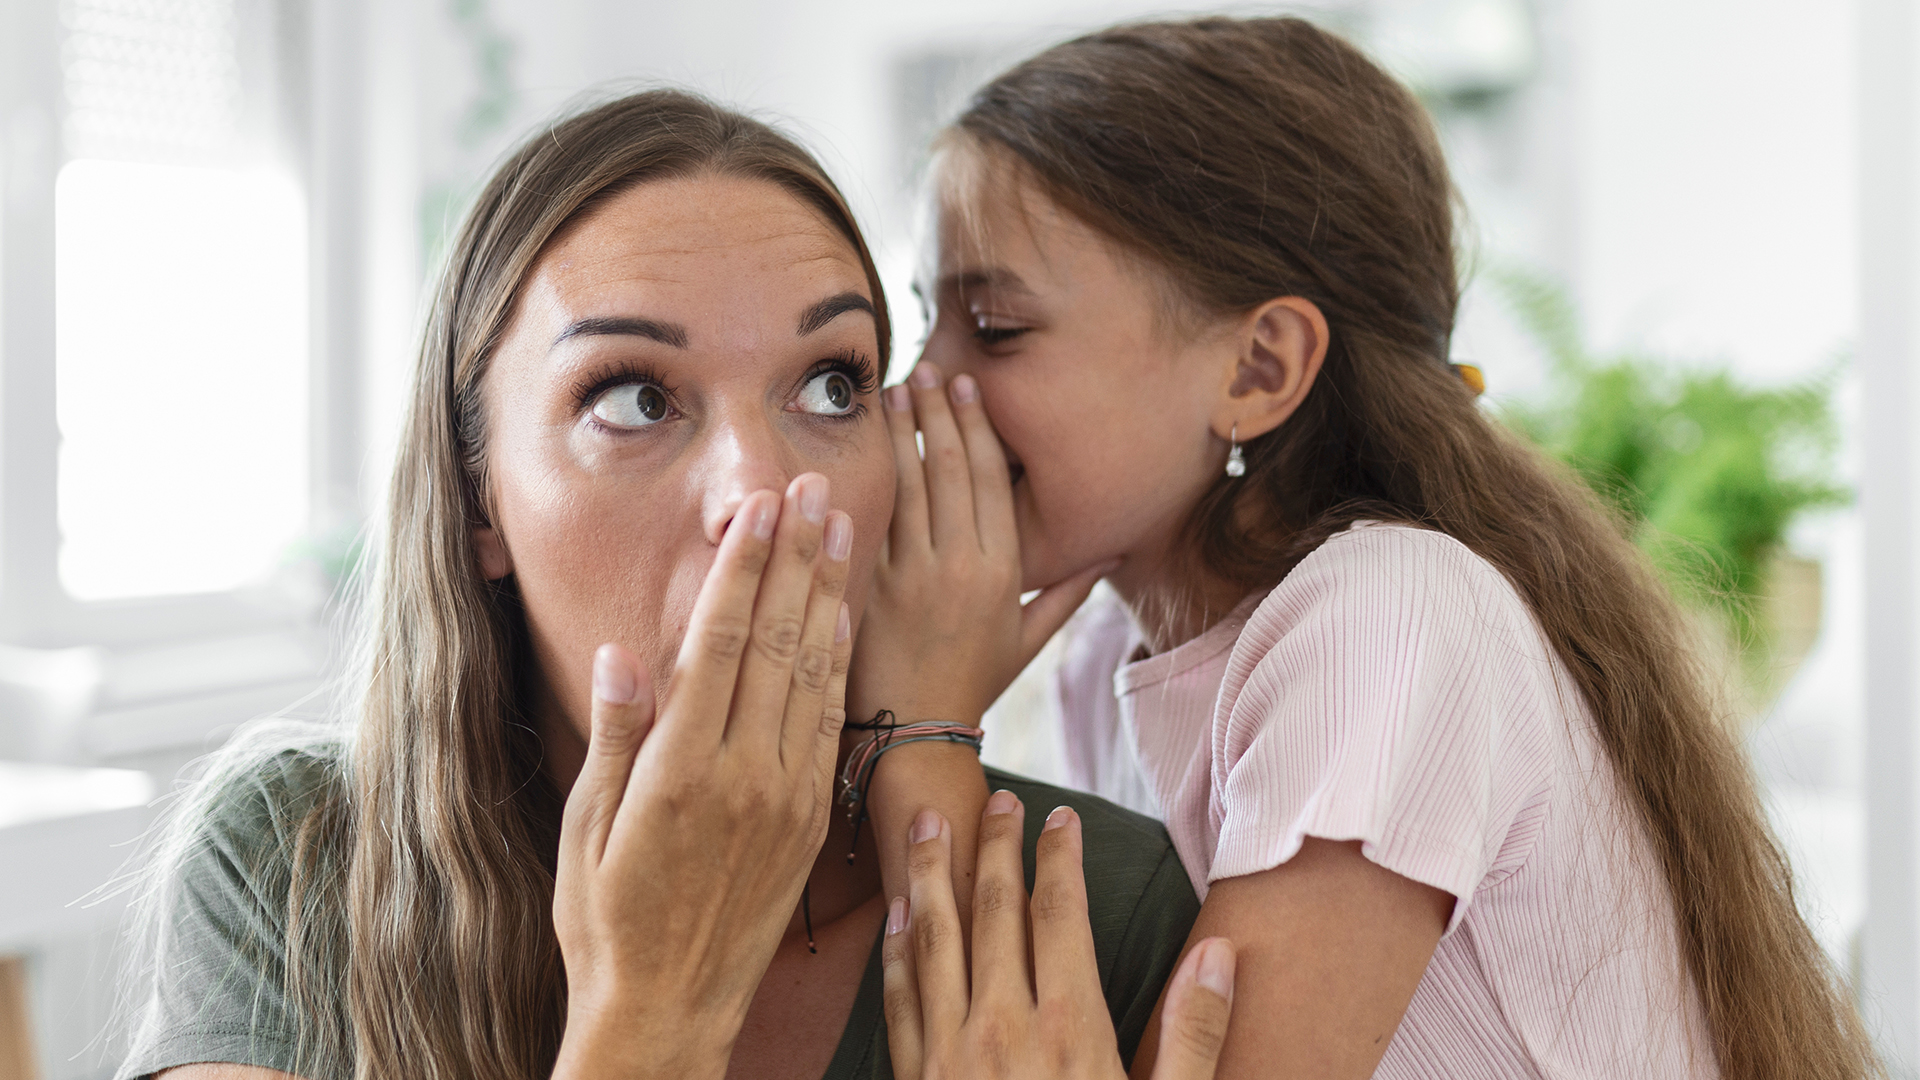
[(219, 960)]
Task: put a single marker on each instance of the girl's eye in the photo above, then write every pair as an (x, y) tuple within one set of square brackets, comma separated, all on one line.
[(988, 334), (829, 393), (632, 405)]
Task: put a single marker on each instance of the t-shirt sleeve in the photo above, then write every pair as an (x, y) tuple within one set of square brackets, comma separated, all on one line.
[(1394, 690), (1149, 950), (217, 960), (1140, 901)]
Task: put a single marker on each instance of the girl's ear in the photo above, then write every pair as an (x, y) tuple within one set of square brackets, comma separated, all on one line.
[(1279, 347), (495, 563)]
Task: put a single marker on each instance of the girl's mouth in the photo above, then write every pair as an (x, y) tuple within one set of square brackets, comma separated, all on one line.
[(1015, 470)]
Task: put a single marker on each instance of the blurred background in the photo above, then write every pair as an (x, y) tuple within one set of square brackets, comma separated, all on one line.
[(1690, 247)]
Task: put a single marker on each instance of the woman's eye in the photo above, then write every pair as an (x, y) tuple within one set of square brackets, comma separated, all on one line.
[(829, 393), (632, 405)]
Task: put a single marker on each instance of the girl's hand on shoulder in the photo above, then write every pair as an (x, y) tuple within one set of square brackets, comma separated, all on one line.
[(944, 632), (686, 839), (998, 1016)]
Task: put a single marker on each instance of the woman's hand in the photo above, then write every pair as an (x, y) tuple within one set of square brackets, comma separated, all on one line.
[(1050, 1021), (686, 840)]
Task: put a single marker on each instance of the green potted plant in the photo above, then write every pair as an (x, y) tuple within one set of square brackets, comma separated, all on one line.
[(1706, 472)]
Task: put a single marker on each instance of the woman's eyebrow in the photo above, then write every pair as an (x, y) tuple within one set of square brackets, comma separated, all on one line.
[(832, 308), (665, 333)]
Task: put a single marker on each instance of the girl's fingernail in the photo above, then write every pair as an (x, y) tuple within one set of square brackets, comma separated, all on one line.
[(839, 537), (964, 390), (844, 627), (1057, 818), (925, 827), (925, 376), (1002, 802), (813, 498), (762, 517), (896, 915), (898, 399), (1216, 967), (613, 679)]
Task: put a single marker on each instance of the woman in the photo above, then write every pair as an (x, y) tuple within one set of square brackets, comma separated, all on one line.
[(648, 379)]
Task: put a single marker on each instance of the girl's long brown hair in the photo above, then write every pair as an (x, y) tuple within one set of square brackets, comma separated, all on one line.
[(445, 830), (1248, 159)]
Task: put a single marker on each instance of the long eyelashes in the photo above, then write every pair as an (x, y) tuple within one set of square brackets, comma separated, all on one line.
[(596, 382), (857, 366)]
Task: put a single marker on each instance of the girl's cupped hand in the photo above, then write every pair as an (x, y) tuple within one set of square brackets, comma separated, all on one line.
[(1000, 1016), (945, 632), (689, 834)]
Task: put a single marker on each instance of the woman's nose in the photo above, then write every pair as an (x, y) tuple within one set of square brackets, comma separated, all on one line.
[(743, 459)]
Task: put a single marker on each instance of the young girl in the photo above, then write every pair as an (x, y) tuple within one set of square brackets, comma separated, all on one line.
[(1426, 731)]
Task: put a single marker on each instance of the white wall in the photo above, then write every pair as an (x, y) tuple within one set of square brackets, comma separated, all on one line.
[(1716, 178), (1686, 165)]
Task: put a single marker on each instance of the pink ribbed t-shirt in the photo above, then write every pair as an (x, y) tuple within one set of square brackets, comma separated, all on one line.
[(1396, 690)]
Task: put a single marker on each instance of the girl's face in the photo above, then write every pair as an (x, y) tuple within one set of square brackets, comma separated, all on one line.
[(688, 343), (1103, 407)]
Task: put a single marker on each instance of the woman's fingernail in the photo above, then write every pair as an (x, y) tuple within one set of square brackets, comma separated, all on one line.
[(762, 517), (898, 399), (1057, 818), (844, 627), (839, 541), (896, 915), (1216, 967), (813, 497), (613, 678), (1002, 802), (925, 376), (925, 827), (964, 389)]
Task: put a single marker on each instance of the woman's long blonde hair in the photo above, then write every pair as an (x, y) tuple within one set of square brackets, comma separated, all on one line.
[(420, 941), (1247, 159)]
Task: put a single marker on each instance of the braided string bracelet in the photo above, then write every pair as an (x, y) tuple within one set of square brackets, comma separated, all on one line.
[(857, 775), (889, 734)]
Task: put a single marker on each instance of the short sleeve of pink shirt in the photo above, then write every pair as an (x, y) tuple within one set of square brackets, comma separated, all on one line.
[(1392, 691)]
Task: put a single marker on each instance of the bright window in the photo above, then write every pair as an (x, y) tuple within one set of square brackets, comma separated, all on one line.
[(181, 323)]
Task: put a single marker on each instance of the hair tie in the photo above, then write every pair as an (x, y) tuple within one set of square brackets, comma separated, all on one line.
[(1471, 375)]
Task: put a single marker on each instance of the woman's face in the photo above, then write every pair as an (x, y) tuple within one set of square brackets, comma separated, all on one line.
[(688, 343), (1104, 410)]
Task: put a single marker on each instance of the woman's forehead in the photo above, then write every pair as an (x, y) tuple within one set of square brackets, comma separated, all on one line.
[(691, 227), (713, 251)]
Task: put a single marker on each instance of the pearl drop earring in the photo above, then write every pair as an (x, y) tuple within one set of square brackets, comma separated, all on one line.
[(1236, 461)]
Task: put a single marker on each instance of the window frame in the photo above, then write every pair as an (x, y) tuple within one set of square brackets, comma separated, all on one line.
[(322, 108)]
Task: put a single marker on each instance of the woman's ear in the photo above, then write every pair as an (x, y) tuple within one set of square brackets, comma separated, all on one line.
[(495, 563), (1279, 347)]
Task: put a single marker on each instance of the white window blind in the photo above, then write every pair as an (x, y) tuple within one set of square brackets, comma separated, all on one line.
[(180, 306)]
